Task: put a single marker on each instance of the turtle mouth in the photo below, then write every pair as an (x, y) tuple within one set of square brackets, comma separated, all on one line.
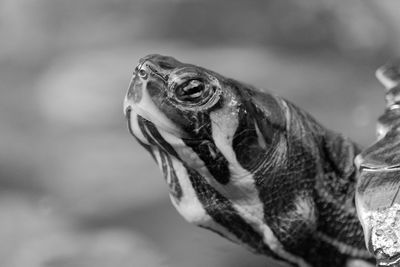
[(165, 127)]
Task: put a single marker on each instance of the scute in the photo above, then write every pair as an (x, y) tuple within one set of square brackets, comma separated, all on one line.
[(378, 186)]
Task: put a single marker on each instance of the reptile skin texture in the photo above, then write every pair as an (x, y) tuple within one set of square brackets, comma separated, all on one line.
[(248, 165)]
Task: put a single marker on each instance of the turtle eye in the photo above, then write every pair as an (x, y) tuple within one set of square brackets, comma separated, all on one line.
[(191, 91), (194, 94)]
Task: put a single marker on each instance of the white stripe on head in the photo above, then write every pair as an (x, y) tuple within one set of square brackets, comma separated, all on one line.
[(190, 207), (157, 156), (134, 125), (241, 190), (148, 110)]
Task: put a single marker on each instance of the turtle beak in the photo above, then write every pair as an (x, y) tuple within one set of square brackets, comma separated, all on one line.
[(129, 98), (139, 101), (378, 207)]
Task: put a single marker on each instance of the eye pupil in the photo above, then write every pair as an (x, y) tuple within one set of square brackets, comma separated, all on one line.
[(191, 91), (193, 88), (194, 94)]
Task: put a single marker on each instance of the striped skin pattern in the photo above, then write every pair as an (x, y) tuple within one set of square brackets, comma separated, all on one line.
[(248, 165), (378, 186)]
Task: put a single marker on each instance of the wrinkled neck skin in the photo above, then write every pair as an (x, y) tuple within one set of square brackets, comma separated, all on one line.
[(311, 151), (257, 170), (266, 175), (307, 180), (319, 160)]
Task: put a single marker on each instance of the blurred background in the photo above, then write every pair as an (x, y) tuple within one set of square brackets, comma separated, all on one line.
[(77, 190)]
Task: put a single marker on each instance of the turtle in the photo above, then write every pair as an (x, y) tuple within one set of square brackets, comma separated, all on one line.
[(248, 165), (378, 185)]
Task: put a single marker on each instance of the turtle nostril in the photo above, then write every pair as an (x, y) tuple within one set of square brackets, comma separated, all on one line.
[(128, 112)]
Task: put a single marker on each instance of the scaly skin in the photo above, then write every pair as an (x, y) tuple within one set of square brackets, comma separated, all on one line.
[(248, 165)]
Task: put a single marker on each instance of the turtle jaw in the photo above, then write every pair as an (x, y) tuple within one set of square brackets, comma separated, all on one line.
[(378, 207), (145, 97)]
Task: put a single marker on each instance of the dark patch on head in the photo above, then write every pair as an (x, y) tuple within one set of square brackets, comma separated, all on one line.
[(145, 146), (154, 90), (154, 137), (176, 187), (245, 142), (197, 125), (143, 129), (204, 146), (168, 169), (166, 65), (164, 165), (215, 162), (259, 117)]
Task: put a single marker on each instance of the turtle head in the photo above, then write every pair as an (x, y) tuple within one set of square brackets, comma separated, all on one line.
[(378, 186), (208, 134), (172, 95), (198, 116)]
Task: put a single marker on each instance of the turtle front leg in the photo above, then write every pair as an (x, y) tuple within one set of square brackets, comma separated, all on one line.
[(378, 186)]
